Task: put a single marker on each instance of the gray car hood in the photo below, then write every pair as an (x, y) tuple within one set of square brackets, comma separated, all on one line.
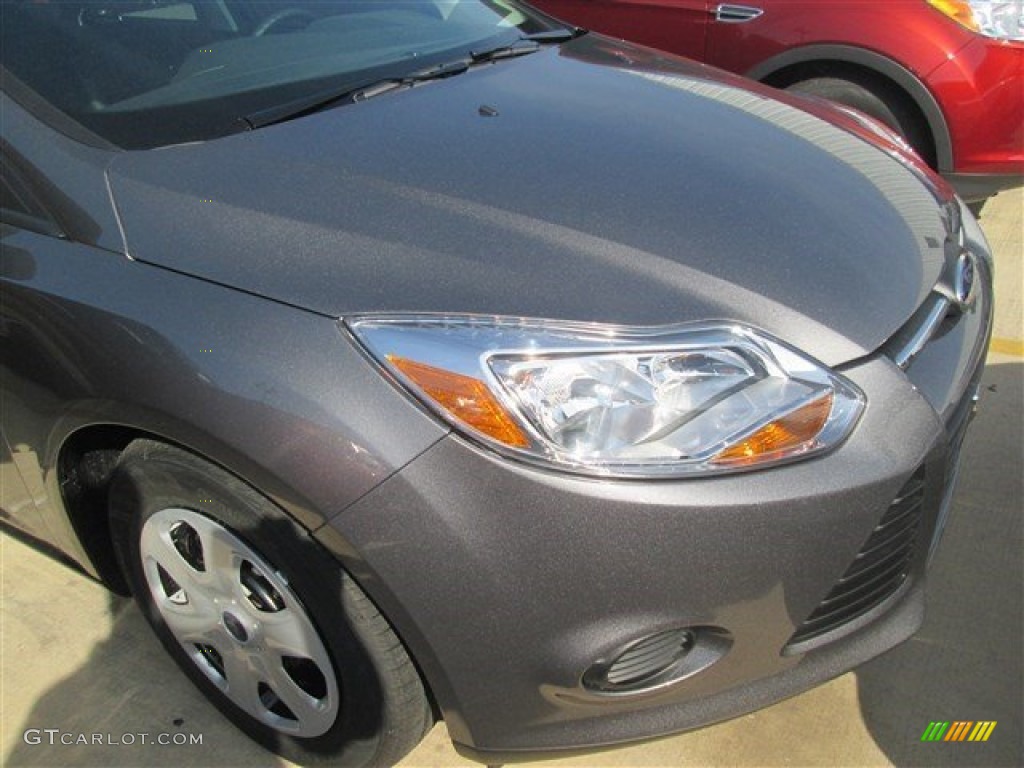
[(592, 181)]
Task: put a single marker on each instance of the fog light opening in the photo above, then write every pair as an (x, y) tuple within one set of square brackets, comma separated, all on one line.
[(658, 660)]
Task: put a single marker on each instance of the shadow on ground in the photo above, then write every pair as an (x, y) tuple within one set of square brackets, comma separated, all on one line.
[(966, 661), (126, 688)]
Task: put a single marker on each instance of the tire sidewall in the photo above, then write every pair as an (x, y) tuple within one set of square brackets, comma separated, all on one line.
[(161, 479)]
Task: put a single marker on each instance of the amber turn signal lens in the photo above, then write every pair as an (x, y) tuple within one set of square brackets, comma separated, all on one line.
[(792, 431), (465, 399), (958, 10)]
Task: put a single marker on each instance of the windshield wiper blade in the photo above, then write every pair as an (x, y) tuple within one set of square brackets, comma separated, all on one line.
[(560, 35), (527, 44), (315, 102), (518, 48), (439, 72)]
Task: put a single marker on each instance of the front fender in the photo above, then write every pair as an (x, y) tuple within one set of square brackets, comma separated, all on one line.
[(875, 62)]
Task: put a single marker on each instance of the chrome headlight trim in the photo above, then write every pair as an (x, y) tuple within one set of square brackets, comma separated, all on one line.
[(617, 401)]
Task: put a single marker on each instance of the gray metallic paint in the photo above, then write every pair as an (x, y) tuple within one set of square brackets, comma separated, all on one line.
[(219, 376), (738, 552), (82, 200), (222, 335), (350, 210)]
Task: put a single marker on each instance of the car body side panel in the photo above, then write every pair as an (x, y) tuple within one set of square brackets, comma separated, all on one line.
[(907, 28), (81, 204), (278, 396)]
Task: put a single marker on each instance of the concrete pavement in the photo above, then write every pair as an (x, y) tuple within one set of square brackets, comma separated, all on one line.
[(75, 660)]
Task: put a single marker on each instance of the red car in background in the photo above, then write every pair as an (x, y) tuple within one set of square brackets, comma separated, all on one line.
[(948, 75)]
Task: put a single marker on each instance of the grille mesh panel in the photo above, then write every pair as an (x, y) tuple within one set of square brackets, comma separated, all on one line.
[(878, 570)]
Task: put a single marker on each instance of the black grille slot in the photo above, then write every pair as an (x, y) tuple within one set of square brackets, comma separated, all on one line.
[(646, 663), (649, 657), (878, 570)]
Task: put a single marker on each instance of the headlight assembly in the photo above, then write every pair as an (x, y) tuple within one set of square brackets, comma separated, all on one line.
[(619, 401), (1002, 19)]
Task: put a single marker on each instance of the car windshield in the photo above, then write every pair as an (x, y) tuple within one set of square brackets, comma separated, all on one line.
[(146, 73)]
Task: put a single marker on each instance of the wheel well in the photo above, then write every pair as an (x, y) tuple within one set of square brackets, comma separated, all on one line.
[(85, 466), (884, 87)]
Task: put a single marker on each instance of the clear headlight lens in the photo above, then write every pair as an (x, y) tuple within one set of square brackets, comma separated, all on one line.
[(1003, 19), (614, 400)]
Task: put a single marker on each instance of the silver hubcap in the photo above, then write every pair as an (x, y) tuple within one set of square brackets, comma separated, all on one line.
[(239, 622)]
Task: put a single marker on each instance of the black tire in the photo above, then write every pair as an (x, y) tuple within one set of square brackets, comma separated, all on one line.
[(376, 707), (880, 100)]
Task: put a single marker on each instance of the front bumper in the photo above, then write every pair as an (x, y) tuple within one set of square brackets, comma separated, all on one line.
[(508, 583), (975, 187), (981, 97)]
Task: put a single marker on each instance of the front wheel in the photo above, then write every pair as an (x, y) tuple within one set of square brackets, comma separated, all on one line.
[(261, 619)]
